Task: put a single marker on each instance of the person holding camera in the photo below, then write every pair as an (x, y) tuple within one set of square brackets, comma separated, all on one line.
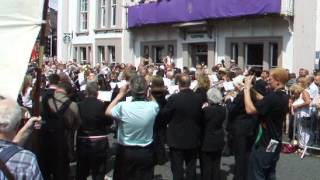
[(271, 111), (241, 128)]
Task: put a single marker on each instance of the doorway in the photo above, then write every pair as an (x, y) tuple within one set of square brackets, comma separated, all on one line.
[(199, 54)]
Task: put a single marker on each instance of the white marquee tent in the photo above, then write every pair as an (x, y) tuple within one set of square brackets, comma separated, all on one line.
[(20, 23)]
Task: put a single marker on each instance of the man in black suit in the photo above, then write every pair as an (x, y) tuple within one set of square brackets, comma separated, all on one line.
[(183, 112)]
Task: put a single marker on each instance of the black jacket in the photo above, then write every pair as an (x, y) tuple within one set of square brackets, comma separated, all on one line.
[(239, 122), (212, 129), (183, 110)]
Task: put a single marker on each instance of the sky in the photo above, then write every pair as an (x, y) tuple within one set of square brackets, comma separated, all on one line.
[(53, 4)]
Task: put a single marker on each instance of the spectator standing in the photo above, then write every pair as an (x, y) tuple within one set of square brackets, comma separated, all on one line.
[(203, 86), (212, 142), (26, 92), (92, 140), (56, 135), (16, 162), (184, 113), (159, 92), (271, 111), (135, 155), (241, 129)]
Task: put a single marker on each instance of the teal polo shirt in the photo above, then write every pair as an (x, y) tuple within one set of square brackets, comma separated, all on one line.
[(136, 120)]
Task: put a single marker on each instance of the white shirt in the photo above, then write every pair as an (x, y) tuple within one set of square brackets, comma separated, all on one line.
[(314, 93)]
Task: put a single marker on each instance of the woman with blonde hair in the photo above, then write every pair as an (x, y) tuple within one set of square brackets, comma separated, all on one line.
[(203, 86), (159, 92), (300, 109), (25, 93)]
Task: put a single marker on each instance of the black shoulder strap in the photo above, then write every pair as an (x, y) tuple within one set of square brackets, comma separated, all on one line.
[(5, 155), (64, 107), (8, 152), (6, 171)]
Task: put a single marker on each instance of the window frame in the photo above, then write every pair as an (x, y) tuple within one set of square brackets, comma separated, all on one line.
[(113, 11), (103, 13), (83, 54), (271, 51), (266, 40), (101, 54), (83, 12), (112, 54)]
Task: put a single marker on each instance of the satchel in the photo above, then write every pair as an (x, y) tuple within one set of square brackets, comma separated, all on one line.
[(288, 148)]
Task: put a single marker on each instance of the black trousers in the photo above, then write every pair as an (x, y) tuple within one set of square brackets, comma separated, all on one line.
[(262, 164), (134, 163), (180, 156), (92, 158), (242, 145), (210, 165), (53, 158)]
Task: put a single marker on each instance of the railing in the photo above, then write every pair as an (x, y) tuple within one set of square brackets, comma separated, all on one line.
[(287, 7)]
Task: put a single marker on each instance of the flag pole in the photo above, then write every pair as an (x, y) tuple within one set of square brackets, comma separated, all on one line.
[(37, 89), (33, 143)]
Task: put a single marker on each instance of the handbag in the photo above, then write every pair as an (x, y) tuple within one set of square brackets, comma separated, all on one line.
[(288, 148)]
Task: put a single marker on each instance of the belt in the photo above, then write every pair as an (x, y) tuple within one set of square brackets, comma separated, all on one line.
[(93, 138), (136, 147)]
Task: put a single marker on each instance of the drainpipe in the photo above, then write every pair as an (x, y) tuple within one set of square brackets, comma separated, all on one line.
[(216, 33)]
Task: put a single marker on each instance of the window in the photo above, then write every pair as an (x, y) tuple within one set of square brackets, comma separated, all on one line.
[(101, 54), (103, 13), (146, 51), (254, 55), (112, 54), (75, 53), (234, 51), (199, 54), (170, 50), (158, 54), (113, 12), (83, 54), (89, 55), (83, 15), (263, 52), (274, 54)]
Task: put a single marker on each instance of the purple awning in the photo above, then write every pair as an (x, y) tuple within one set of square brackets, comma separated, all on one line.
[(173, 11)]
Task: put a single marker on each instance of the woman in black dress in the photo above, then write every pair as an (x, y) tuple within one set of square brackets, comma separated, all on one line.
[(213, 136)]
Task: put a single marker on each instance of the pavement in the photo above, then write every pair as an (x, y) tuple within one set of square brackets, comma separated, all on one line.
[(289, 167)]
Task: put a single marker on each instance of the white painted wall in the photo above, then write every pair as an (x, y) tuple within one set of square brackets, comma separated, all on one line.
[(318, 26), (62, 48), (306, 25), (68, 19)]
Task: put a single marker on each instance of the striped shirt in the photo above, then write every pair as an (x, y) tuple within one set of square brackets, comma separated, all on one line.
[(23, 165)]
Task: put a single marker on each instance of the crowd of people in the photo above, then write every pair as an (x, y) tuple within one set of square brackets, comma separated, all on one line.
[(162, 113)]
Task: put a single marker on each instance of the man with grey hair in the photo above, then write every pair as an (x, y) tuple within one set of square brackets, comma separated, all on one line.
[(134, 158), (16, 162), (92, 140)]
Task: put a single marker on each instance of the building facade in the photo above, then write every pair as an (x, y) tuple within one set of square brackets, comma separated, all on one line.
[(258, 33), (93, 31), (253, 38)]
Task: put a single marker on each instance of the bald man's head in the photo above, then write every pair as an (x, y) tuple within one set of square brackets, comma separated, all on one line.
[(10, 115)]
